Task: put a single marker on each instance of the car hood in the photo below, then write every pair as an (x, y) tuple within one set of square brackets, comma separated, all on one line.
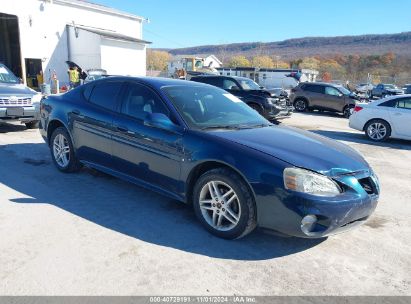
[(300, 148), (15, 89), (260, 93)]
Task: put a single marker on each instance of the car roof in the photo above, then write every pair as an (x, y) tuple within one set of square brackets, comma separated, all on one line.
[(222, 76), (157, 82)]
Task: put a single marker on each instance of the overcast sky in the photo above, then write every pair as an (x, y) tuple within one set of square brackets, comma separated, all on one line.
[(184, 23)]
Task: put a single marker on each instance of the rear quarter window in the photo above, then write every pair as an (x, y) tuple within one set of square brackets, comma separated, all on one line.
[(87, 91), (390, 103)]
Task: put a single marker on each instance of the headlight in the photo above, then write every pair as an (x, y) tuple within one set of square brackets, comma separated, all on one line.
[(36, 98), (305, 181)]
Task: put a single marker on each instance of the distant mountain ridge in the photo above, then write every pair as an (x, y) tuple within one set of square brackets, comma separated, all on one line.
[(373, 44)]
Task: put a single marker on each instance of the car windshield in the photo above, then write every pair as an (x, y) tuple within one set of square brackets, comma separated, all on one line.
[(344, 90), (212, 108), (6, 76), (248, 84)]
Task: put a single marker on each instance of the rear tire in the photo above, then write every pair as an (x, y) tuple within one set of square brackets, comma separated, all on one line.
[(377, 130), (300, 105), (224, 204), (348, 111), (32, 125), (62, 151)]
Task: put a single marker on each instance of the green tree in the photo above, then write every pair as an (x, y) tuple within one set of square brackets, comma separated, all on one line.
[(238, 61)]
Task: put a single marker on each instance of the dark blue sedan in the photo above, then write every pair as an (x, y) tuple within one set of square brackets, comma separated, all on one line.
[(201, 145)]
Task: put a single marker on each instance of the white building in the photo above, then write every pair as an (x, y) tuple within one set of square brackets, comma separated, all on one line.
[(212, 61), (272, 78), (43, 34)]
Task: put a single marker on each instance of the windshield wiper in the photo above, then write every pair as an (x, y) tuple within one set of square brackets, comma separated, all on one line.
[(219, 127)]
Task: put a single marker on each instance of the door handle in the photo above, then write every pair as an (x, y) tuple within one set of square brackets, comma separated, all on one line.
[(125, 130), (397, 114), (77, 113)]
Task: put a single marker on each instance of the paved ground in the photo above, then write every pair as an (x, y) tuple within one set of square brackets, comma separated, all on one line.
[(91, 234)]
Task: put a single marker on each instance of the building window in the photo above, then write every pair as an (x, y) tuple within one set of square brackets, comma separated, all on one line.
[(228, 74), (264, 76)]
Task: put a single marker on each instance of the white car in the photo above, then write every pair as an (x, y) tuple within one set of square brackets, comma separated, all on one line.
[(384, 118)]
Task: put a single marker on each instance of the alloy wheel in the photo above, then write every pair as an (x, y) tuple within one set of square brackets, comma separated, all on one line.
[(376, 131), (300, 105), (220, 205), (61, 150)]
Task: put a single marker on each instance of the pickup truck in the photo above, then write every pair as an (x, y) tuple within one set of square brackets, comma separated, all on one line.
[(383, 90)]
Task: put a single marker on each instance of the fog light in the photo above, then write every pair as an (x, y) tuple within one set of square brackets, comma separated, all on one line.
[(307, 223)]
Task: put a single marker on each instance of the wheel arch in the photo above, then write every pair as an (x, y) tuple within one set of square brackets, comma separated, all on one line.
[(302, 98), (206, 166), (254, 103), (53, 125), (377, 118)]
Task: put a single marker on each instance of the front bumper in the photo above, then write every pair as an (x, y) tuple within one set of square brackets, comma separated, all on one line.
[(279, 112), (30, 113), (334, 214)]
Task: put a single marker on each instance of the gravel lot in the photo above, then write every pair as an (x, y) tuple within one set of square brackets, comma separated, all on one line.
[(92, 234)]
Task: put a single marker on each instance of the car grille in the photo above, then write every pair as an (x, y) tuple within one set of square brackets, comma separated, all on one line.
[(7, 101), (368, 185)]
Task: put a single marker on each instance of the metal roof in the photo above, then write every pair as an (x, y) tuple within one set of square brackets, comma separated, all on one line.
[(109, 34)]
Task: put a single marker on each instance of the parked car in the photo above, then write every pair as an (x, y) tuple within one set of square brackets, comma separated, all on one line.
[(95, 74), (251, 93), (323, 96), (384, 90), (201, 145), (90, 74), (17, 102), (364, 88), (407, 89), (384, 118)]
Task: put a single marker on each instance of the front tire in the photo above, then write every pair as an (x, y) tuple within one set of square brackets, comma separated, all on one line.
[(62, 151), (377, 130), (224, 204)]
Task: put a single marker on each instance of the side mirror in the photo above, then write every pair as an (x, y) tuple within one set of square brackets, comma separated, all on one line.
[(161, 121), (262, 88)]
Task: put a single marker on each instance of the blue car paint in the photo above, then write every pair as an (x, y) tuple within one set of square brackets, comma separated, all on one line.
[(259, 155)]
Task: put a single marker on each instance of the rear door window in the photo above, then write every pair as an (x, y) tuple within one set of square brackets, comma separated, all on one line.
[(105, 94), (214, 81), (314, 88)]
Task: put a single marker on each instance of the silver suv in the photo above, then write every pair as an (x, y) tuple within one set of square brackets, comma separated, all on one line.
[(18, 102), (324, 97)]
